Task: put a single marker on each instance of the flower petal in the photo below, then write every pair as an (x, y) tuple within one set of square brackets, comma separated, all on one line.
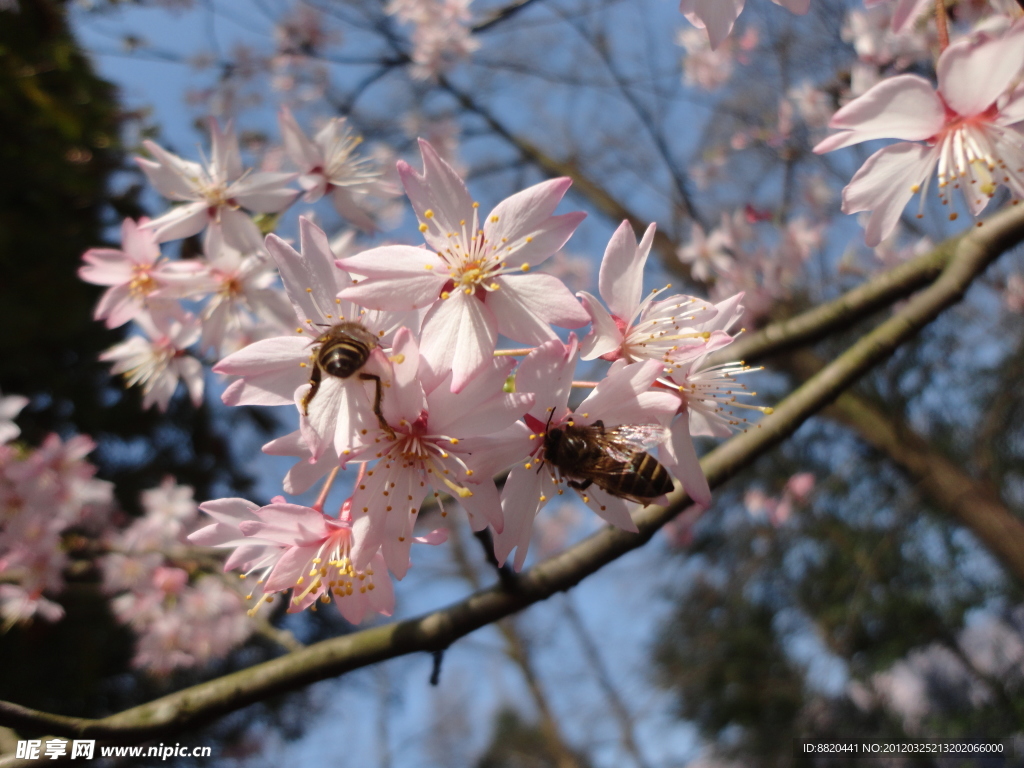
[(902, 107), (885, 184), (459, 334), (973, 75)]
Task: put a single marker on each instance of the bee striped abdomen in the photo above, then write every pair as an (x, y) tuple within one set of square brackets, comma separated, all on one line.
[(344, 357), (647, 480)]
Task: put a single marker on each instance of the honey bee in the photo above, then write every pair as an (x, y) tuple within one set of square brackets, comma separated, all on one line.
[(612, 458), (344, 349)]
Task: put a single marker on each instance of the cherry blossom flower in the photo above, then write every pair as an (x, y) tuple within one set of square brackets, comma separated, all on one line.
[(316, 564), (136, 274), (215, 192), (441, 34), (621, 398), (718, 16), (709, 398), (967, 126), (667, 330), (329, 164), (169, 509), (157, 362), (474, 276), (300, 548), (276, 371), (10, 407), (44, 491), (185, 626), (244, 300), (708, 256), (709, 68), (437, 441)]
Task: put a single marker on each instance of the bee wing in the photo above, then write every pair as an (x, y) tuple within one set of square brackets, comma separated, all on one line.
[(624, 441)]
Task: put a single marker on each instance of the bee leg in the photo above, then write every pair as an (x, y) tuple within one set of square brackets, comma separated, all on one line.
[(314, 385), (377, 397), (580, 486)]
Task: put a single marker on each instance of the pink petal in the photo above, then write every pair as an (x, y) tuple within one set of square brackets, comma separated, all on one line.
[(226, 160), (438, 189), (520, 501), (405, 398), (604, 337), (240, 232), (885, 184), (181, 221), (310, 278), (902, 107), (399, 277), (529, 214), (526, 306), (272, 370), (621, 279), (459, 334), (620, 389), (717, 16), (547, 372), (545, 240), (300, 150), (347, 207), (972, 75), (684, 464), (609, 508), (265, 191)]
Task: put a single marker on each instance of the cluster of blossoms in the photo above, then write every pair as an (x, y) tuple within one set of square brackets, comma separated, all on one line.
[(390, 359), (46, 494), (181, 617), (734, 258), (441, 33), (54, 513), (967, 127), (228, 297)]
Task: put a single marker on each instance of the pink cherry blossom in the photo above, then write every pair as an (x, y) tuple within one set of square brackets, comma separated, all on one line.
[(967, 127), (136, 274), (243, 298), (214, 193), (441, 33), (169, 510), (302, 549), (671, 329), (621, 398), (708, 256), (44, 491), (473, 279), (276, 371), (329, 164), (158, 361), (438, 442), (718, 16)]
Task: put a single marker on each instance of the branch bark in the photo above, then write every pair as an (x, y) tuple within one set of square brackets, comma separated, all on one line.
[(438, 630)]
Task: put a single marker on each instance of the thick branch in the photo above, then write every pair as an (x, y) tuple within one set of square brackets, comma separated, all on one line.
[(438, 630)]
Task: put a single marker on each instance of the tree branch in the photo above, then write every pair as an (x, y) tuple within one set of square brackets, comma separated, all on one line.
[(435, 631)]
